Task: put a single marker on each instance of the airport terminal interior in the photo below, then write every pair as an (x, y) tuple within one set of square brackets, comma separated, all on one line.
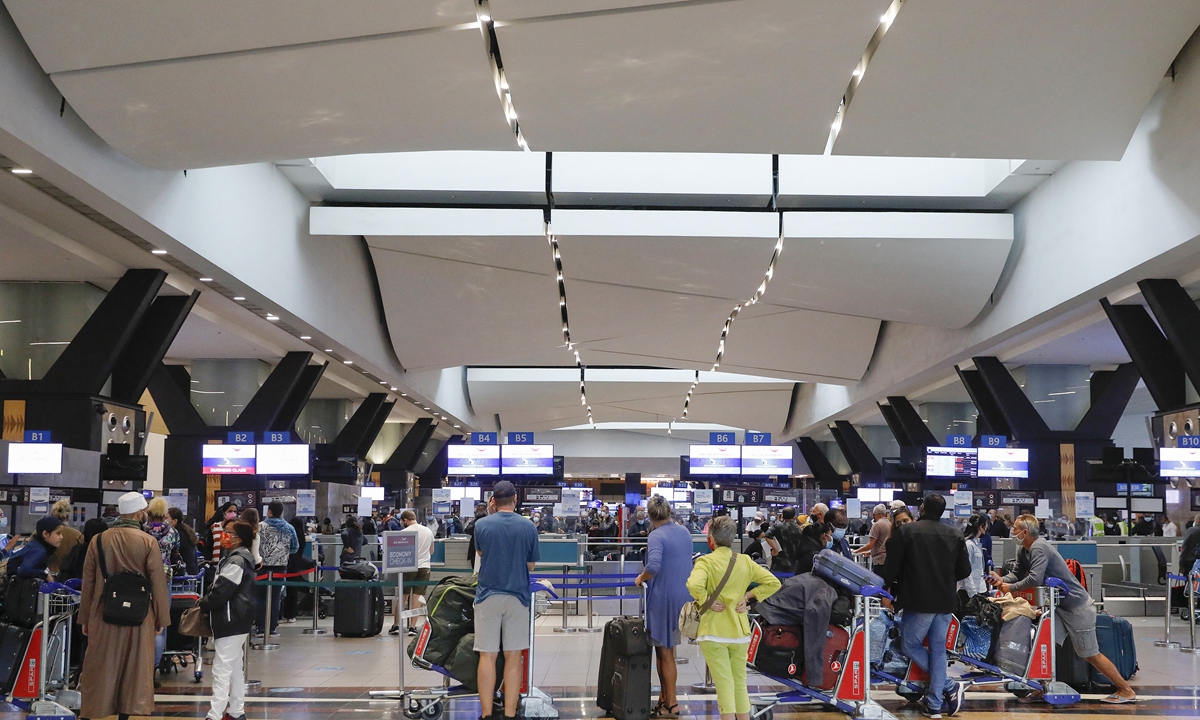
[(335, 261)]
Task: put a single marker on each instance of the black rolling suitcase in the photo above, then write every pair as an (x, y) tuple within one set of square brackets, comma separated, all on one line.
[(623, 685), (358, 611), (13, 642), (21, 602)]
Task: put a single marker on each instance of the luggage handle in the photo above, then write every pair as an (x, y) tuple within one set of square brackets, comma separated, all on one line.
[(876, 591)]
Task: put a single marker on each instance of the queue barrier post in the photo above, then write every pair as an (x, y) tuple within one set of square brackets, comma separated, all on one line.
[(1167, 641), (1192, 581), (563, 604), (250, 684), (591, 627), (266, 643)]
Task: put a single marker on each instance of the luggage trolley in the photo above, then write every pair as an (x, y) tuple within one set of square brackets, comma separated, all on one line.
[(851, 690), (429, 704), (45, 667), (185, 593), (1039, 671)]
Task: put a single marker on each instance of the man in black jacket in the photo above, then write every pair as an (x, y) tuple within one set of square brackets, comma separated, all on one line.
[(230, 609), (1187, 553), (931, 558)]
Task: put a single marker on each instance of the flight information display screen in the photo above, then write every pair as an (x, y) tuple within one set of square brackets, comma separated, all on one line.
[(1179, 462), (228, 459), (767, 460), (527, 459), (948, 462), (715, 460), (1004, 462), (472, 460)]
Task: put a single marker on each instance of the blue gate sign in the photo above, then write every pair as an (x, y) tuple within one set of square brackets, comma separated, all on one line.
[(722, 438), (520, 438), (1184, 441), (399, 552), (277, 437), (993, 441), (41, 436), (240, 437), (958, 441), (484, 438), (753, 438)]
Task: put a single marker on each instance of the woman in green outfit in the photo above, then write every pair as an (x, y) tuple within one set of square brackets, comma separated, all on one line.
[(724, 634)]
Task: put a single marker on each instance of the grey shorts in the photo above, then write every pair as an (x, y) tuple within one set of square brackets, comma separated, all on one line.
[(501, 621), (1080, 624)]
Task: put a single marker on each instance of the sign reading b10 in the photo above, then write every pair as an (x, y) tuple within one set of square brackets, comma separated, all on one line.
[(1183, 441)]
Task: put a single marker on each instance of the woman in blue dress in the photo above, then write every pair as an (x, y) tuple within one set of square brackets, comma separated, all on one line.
[(668, 565)]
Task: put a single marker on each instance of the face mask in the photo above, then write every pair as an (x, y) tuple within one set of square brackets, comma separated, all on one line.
[(829, 545), (839, 533), (226, 540), (230, 515), (3, 522)]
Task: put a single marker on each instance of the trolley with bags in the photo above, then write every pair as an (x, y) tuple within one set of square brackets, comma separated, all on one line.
[(183, 650), (446, 645), (43, 673)]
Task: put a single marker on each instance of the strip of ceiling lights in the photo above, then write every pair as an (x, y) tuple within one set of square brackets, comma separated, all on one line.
[(885, 23), (488, 27)]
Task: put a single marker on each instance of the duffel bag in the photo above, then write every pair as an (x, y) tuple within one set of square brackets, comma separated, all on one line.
[(463, 664), (977, 639), (450, 610)]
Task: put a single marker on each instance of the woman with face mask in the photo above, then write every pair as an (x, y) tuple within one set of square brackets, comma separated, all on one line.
[(215, 525), (974, 583), (814, 538)]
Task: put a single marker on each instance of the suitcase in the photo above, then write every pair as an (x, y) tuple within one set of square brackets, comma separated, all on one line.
[(13, 642), (176, 641), (1115, 637), (624, 637), (631, 687), (1071, 669), (843, 572), (833, 656), (358, 611), (21, 602), (777, 651), (1014, 645)]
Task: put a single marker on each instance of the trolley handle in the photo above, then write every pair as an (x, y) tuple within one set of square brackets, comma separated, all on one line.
[(876, 591), (49, 588), (74, 583), (1056, 583), (537, 587)]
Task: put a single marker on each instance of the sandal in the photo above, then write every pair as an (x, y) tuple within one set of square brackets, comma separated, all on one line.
[(1116, 699), (666, 712)]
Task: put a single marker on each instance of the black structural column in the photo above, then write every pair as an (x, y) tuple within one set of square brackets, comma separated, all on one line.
[(818, 464), (373, 429), (404, 458), (1020, 414), (894, 424), (1108, 402), (1153, 355), (1180, 320), (853, 444), (294, 405), (351, 436), (170, 388), (149, 345), (86, 364), (916, 429), (264, 408), (990, 421)]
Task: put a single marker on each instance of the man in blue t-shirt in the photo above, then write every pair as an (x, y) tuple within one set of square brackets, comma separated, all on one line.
[(507, 545)]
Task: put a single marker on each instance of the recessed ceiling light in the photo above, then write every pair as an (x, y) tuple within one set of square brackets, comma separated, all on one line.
[(306, 337), (206, 279), (239, 298), (403, 394), (348, 362), (393, 389), (426, 408), (272, 318), (456, 427), (158, 252), (383, 382), (22, 171), (328, 349)]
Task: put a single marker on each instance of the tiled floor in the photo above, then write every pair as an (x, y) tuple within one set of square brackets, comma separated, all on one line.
[(311, 677)]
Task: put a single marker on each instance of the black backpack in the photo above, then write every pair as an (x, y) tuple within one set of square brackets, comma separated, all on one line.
[(126, 594)]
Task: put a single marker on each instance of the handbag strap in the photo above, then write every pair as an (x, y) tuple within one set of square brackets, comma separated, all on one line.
[(720, 586), (100, 552)]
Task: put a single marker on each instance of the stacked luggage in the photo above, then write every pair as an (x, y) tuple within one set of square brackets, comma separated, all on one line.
[(1115, 637), (18, 615), (446, 642), (358, 611), (623, 684)]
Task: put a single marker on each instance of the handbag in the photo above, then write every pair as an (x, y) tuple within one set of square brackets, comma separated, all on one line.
[(194, 623), (126, 594), (690, 613)]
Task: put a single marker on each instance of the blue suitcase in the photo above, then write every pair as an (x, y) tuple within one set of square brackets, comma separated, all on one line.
[(844, 572), (1115, 637)]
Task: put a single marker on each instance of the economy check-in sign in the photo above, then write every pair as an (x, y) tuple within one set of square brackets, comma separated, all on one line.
[(399, 552)]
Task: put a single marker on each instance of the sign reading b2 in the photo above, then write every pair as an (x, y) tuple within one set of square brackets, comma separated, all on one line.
[(240, 438)]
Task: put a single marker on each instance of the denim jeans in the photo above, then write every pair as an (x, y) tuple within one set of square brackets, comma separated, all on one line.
[(914, 628)]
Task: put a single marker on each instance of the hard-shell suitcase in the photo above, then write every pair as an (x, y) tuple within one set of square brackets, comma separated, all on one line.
[(843, 572), (1071, 669), (358, 611), (1014, 645), (1115, 637), (13, 642), (833, 656), (631, 687), (624, 636), (21, 602)]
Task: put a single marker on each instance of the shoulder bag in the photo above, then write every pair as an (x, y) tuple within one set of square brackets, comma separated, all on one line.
[(194, 623), (126, 594), (690, 614)]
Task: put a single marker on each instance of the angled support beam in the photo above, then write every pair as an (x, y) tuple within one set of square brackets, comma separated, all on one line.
[(86, 364), (149, 345), (348, 440), (170, 386), (1179, 318), (404, 458), (894, 424), (436, 470), (1153, 355), (294, 405), (1020, 414), (853, 443), (820, 466), (1108, 403), (990, 421), (265, 407), (916, 429), (368, 438)]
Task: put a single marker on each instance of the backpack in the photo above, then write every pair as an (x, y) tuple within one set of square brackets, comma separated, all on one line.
[(1077, 570), (126, 594)]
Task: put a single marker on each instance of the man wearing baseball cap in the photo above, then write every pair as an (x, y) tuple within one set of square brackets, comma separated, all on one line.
[(507, 545)]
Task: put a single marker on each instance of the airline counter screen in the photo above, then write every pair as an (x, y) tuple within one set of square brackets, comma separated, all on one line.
[(767, 460), (1179, 462), (472, 460), (527, 459), (1004, 462), (715, 460), (948, 462)]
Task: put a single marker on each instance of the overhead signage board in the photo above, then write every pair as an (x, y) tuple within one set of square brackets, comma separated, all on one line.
[(767, 460), (993, 441), (542, 495), (958, 441), (39, 458), (715, 460), (472, 460), (281, 458), (228, 459), (725, 437), (240, 437), (520, 438), (527, 459), (951, 462), (277, 437), (1179, 462), (1003, 462), (484, 438), (753, 438)]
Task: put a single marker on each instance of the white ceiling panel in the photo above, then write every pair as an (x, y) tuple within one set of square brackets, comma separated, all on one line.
[(70, 35), (934, 269), (522, 253), (28, 257), (443, 313), (425, 91), (665, 223), (418, 221), (508, 10), (668, 173), (464, 171), (202, 338), (770, 340), (729, 268), (750, 76), (1064, 80)]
